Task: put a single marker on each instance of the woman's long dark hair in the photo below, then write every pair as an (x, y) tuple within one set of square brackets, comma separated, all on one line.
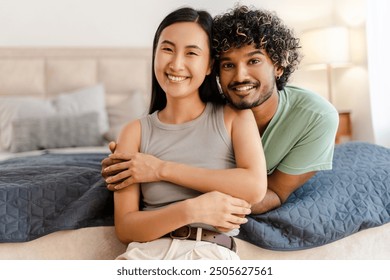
[(208, 91)]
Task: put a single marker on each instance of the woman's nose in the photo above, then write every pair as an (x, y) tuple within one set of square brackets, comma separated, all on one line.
[(177, 63)]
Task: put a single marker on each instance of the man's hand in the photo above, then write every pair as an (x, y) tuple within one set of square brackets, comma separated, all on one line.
[(109, 162), (133, 168)]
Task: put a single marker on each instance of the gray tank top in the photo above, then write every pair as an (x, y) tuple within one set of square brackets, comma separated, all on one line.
[(202, 142)]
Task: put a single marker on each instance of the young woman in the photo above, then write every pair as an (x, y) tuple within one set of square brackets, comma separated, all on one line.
[(197, 164)]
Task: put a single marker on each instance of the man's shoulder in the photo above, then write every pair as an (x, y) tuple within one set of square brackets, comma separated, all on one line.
[(304, 99)]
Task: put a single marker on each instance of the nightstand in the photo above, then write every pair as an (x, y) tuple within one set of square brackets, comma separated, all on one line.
[(344, 132)]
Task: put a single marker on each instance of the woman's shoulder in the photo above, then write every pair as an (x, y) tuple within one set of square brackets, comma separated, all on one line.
[(131, 128), (233, 112), (234, 116)]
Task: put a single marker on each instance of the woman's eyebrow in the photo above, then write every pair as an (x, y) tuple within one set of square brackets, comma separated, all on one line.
[(168, 42), (187, 47)]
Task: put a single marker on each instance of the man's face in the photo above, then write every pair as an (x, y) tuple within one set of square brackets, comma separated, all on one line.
[(247, 76)]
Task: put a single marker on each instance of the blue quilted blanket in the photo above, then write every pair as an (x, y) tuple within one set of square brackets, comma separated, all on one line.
[(333, 204), (51, 192)]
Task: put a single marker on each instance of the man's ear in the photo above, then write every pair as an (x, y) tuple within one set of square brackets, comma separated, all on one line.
[(279, 71)]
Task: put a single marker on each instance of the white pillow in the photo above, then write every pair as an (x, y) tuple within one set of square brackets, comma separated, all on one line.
[(86, 100), (76, 103)]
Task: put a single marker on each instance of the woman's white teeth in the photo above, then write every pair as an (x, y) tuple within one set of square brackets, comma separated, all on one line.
[(176, 78), (244, 88)]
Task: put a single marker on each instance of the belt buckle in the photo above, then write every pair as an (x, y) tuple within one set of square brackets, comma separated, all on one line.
[(172, 234)]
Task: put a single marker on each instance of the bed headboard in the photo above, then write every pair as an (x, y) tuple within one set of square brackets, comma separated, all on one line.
[(47, 72), (44, 72)]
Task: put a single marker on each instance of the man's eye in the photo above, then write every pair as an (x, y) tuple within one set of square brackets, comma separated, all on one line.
[(254, 61), (227, 65)]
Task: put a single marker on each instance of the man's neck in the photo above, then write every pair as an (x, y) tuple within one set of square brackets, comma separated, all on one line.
[(265, 112)]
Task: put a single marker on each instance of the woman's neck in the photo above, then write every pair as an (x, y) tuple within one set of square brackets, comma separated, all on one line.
[(181, 110)]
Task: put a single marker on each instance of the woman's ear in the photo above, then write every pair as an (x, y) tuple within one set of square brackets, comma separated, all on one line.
[(211, 65)]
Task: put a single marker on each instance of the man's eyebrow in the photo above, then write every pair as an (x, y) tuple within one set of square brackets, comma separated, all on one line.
[(255, 52), (187, 47), (250, 54)]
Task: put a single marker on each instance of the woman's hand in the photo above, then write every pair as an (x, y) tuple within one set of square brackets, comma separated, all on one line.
[(219, 210), (134, 168)]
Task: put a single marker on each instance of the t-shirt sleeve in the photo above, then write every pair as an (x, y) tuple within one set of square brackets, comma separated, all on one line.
[(314, 151)]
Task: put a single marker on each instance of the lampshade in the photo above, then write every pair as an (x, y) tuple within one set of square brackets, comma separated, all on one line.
[(329, 45)]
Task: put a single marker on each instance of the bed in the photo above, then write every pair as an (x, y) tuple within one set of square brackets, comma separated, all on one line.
[(58, 109)]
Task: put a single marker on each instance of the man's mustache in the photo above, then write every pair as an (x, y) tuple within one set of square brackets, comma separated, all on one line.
[(244, 83)]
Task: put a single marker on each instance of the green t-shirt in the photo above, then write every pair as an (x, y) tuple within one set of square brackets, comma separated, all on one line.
[(300, 137)]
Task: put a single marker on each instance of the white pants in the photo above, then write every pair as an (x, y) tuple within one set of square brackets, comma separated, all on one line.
[(175, 249)]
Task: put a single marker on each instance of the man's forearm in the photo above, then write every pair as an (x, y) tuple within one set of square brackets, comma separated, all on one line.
[(270, 201)]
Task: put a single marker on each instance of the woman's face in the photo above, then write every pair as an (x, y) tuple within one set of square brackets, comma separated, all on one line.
[(182, 59)]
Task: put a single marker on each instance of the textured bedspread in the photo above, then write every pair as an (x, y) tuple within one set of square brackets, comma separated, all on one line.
[(43, 194), (51, 192), (355, 195)]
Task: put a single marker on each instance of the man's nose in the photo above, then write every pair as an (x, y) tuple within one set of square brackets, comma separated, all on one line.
[(241, 73)]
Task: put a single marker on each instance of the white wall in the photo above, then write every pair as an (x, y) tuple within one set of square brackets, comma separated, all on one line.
[(377, 30), (129, 23), (118, 22)]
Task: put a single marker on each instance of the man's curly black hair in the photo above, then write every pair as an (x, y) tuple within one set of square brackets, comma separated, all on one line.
[(244, 25)]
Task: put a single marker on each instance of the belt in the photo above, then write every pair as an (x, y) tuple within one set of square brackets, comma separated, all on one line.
[(200, 234)]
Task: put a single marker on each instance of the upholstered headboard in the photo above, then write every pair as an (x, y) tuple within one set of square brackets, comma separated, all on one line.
[(44, 72), (48, 72)]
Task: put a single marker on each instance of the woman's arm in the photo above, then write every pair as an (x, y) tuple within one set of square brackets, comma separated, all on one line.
[(131, 224), (247, 181)]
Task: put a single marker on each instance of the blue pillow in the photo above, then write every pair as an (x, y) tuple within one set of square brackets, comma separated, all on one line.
[(333, 204)]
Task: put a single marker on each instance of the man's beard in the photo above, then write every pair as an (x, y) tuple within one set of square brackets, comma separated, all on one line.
[(242, 104)]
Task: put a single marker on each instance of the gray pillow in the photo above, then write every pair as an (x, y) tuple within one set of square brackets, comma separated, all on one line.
[(76, 103), (56, 132)]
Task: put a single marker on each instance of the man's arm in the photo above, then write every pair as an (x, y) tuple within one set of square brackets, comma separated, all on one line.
[(280, 186), (248, 178)]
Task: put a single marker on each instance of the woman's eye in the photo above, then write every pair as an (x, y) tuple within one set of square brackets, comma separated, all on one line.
[(166, 49), (192, 53)]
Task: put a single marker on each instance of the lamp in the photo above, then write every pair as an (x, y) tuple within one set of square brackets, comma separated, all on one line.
[(326, 48)]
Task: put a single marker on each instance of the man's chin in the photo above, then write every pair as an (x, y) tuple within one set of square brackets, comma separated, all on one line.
[(243, 105)]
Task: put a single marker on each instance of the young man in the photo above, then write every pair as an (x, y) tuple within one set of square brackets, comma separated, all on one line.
[(255, 56), (297, 127)]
